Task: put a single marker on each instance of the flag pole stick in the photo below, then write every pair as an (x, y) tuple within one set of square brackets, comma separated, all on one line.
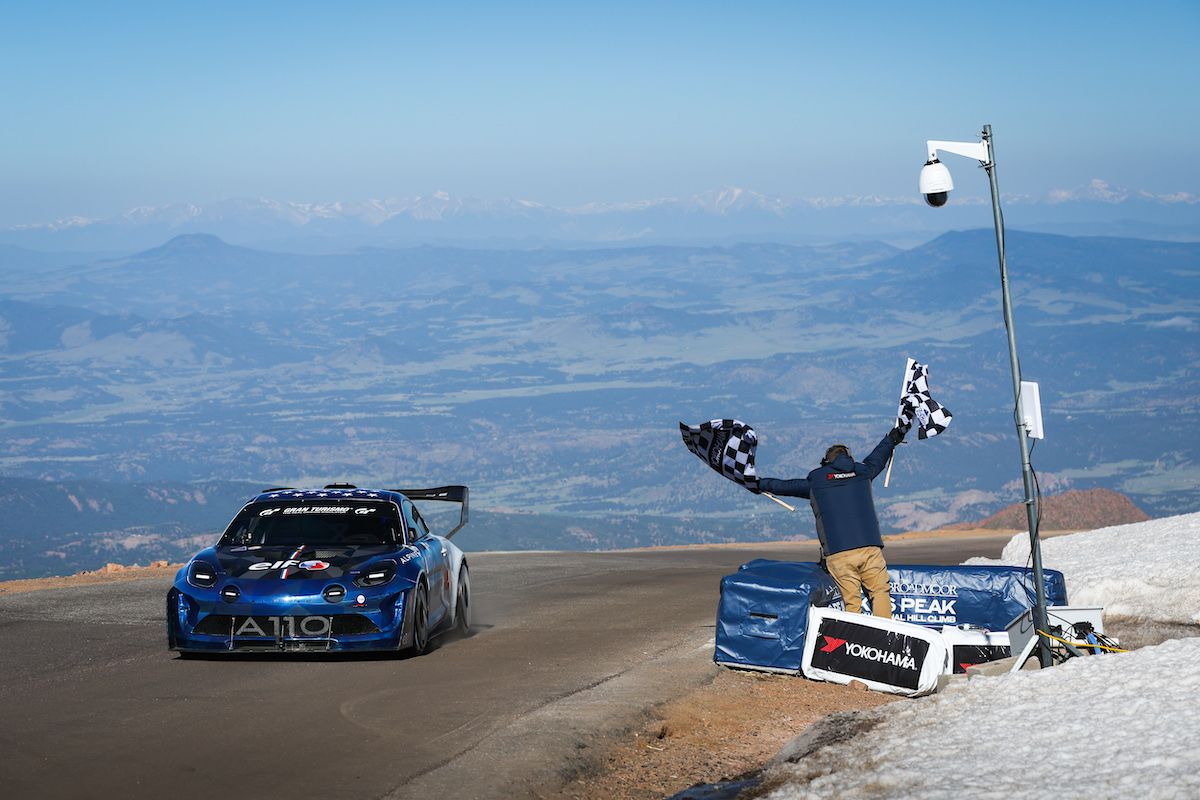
[(903, 385), (777, 500)]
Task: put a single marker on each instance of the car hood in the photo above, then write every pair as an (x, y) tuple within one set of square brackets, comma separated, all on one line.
[(292, 563)]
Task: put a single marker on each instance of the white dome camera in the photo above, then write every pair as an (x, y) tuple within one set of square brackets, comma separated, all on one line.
[(936, 183)]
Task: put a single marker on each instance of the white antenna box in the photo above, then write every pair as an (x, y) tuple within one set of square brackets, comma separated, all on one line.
[(1031, 410)]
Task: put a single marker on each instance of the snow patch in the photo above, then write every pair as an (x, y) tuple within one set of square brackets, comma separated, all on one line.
[(1145, 570), (1119, 725), (1113, 726)]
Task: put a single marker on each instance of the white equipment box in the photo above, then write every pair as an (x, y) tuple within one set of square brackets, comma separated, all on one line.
[(1031, 410), (1022, 635)]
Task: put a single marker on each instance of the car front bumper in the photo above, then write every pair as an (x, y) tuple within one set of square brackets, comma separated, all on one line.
[(199, 620)]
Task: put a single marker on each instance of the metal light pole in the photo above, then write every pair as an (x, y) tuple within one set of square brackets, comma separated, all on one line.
[(938, 179)]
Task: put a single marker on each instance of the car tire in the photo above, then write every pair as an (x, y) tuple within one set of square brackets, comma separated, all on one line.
[(172, 604), (420, 622), (462, 603)]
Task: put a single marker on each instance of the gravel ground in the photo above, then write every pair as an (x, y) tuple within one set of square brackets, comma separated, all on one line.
[(730, 726)]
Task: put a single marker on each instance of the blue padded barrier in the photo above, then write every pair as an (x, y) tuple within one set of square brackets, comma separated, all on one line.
[(763, 613)]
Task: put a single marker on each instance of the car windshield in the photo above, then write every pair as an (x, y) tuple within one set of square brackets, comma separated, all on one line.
[(314, 523)]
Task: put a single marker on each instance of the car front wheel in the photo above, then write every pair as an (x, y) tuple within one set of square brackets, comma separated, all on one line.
[(420, 623)]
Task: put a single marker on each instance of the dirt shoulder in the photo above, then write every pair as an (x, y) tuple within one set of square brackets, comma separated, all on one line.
[(729, 726), (109, 573), (787, 544), (738, 721), (969, 533)]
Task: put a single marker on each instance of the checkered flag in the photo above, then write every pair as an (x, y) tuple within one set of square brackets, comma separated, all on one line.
[(918, 407), (726, 445)]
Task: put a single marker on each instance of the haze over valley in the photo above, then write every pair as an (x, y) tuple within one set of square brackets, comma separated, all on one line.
[(146, 396)]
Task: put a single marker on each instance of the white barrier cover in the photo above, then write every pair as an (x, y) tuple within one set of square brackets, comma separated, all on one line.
[(886, 655), (968, 647)]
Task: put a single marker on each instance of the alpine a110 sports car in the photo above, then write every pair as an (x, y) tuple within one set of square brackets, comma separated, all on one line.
[(338, 569)]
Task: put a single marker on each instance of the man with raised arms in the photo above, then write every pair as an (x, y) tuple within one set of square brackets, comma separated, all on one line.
[(839, 492)]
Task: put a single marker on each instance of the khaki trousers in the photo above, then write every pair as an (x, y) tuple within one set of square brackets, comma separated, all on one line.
[(854, 570)]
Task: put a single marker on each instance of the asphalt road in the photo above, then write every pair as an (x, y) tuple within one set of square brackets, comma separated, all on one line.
[(567, 648)]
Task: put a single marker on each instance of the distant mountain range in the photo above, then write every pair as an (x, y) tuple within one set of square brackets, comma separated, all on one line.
[(70, 526), (63, 527), (552, 380), (722, 215)]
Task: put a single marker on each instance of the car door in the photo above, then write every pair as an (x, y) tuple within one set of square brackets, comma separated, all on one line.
[(436, 557)]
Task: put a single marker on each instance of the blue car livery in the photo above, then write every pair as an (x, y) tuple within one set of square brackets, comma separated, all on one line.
[(336, 569)]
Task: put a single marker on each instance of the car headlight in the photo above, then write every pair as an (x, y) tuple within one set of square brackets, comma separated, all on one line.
[(202, 575), (376, 575)]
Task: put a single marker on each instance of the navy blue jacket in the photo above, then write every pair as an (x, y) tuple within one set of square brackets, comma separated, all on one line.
[(840, 495)]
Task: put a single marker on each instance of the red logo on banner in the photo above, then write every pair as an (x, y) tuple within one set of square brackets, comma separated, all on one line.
[(831, 643)]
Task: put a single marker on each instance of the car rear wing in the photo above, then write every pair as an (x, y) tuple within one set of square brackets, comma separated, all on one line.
[(448, 494)]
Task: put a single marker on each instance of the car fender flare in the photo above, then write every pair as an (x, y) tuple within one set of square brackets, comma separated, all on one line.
[(406, 628)]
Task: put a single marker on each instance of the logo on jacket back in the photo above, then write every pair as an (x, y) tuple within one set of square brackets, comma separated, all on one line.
[(840, 476)]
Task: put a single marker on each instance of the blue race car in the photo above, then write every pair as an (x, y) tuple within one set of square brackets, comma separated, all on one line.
[(338, 569)]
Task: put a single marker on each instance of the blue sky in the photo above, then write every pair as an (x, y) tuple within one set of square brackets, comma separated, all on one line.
[(111, 106)]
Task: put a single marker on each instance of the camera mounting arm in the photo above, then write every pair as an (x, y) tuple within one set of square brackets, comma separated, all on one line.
[(980, 151)]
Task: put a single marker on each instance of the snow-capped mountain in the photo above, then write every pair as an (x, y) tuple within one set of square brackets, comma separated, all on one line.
[(720, 214)]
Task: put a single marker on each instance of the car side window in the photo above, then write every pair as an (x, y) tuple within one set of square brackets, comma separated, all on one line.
[(409, 515), (422, 528)]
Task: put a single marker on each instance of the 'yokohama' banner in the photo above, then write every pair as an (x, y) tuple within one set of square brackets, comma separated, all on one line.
[(886, 655), (762, 619)]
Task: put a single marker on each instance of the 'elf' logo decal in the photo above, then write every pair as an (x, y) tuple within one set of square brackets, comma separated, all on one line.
[(312, 566)]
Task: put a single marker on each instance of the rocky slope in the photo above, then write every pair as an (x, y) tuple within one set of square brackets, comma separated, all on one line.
[(1072, 510)]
